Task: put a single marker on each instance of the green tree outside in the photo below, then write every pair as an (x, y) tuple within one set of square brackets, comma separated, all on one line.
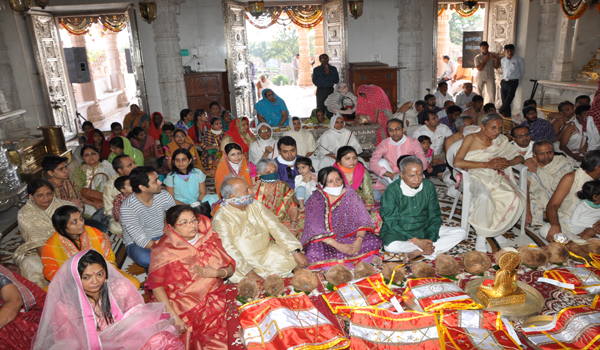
[(459, 24)]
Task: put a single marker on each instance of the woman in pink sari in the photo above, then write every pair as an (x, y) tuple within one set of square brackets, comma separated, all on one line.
[(91, 306), (374, 103)]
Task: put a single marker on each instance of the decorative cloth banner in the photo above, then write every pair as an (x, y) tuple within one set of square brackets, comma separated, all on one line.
[(438, 293), (576, 327), (304, 16), (374, 328), (81, 25), (471, 319), (579, 280), (465, 11), (574, 9), (369, 291), (290, 322)]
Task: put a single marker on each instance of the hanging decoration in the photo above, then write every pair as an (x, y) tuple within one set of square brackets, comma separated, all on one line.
[(465, 11), (81, 25), (442, 8), (574, 9), (303, 16)]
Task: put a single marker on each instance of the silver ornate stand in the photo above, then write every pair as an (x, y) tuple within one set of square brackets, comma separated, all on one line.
[(12, 192)]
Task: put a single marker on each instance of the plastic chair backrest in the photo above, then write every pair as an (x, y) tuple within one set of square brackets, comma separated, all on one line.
[(452, 152)]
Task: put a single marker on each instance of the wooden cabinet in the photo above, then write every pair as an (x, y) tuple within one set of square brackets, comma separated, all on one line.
[(205, 87), (381, 75)]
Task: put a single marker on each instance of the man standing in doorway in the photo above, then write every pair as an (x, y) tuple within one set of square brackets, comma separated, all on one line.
[(513, 69), (296, 67), (485, 77), (324, 77)]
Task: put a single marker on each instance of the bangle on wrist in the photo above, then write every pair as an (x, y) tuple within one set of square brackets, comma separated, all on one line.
[(296, 251), (225, 273)]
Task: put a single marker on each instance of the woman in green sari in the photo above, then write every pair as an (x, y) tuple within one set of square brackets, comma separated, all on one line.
[(317, 116), (120, 145)]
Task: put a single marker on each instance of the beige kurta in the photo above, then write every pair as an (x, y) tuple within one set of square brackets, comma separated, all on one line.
[(246, 236), (497, 202), (543, 183)]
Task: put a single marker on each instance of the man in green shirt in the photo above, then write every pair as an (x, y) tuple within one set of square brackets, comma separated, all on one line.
[(412, 219)]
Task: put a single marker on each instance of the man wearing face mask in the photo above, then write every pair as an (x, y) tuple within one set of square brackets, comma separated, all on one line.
[(286, 161), (246, 227), (412, 219)]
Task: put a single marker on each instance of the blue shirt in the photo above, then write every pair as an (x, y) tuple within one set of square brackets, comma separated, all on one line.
[(186, 191), (513, 68), (446, 121), (320, 79), (287, 176)]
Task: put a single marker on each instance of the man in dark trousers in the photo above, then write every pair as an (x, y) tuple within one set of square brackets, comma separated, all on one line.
[(513, 69), (324, 77)]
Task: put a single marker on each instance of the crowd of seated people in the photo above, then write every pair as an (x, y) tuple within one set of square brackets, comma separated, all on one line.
[(147, 183)]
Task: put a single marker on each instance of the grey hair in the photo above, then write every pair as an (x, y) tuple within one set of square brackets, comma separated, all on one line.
[(491, 117), (409, 160), (460, 121), (227, 188), (262, 164)]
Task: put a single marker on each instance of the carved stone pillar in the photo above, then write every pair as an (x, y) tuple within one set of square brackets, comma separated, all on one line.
[(168, 59), (443, 40), (7, 78), (410, 44), (117, 79), (319, 42), (546, 37), (566, 34), (86, 91), (304, 78)]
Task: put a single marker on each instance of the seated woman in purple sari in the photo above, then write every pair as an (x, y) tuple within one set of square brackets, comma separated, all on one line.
[(340, 229)]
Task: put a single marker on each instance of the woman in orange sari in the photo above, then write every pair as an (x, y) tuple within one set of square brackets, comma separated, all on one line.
[(187, 269), (234, 163), (182, 140)]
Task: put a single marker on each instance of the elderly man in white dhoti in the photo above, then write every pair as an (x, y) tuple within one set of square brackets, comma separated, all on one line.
[(497, 200), (545, 171), (564, 200)]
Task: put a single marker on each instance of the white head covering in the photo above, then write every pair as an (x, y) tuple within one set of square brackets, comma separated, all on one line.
[(264, 143), (332, 123)]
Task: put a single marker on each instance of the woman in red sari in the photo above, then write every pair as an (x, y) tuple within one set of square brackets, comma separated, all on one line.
[(374, 103), (156, 126), (187, 269), (22, 300), (96, 138), (239, 132)]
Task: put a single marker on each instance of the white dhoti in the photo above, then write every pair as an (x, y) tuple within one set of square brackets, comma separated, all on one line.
[(385, 181), (32, 268), (449, 237)]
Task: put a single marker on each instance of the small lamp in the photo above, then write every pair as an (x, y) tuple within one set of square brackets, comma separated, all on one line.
[(256, 8), (355, 8), (148, 11), (20, 6), (42, 3)]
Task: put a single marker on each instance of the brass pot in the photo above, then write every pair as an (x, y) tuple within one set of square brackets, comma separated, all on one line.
[(54, 139)]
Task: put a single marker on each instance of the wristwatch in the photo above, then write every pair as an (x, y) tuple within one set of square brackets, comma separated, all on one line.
[(296, 251)]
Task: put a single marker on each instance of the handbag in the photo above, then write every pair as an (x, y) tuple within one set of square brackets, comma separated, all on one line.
[(90, 194)]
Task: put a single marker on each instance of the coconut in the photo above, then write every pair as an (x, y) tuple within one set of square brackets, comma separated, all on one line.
[(363, 269), (557, 253), (499, 253), (422, 270), (532, 256), (476, 263), (305, 281), (582, 250), (338, 274), (248, 288), (446, 265), (388, 270), (594, 245), (274, 285)]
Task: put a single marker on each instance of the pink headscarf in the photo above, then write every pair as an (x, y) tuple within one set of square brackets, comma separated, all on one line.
[(68, 320)]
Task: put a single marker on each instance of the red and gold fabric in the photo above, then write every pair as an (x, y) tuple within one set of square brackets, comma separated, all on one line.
[(471, 319), (435, 294), (290, 322), (457, 338), (576, 327), (375, 328), (370, 291), (580, 279)]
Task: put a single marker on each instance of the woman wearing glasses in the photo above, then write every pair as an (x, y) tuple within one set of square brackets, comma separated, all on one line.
[(187, 269), (264, 146)]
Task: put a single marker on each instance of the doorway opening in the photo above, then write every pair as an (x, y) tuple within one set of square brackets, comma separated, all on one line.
[(273, 53), (99, 61), (453, 20)]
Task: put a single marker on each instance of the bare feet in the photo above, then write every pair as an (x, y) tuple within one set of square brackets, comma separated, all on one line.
[(409, 256)]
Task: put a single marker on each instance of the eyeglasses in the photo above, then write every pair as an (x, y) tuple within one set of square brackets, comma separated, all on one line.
[(187, 223), (263, 131), (522, 136)]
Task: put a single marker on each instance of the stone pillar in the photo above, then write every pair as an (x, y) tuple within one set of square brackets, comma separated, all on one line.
[(546, 36), (304, 78), (117, 79), (168, 59), (7, 78), (566, 34), (319, 42), (86, 91), (410, 44), (443, 41)]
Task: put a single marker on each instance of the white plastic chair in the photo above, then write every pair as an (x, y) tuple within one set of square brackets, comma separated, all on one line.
[(519, 170)]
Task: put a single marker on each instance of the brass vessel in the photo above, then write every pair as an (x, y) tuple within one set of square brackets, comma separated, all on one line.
[(54, 139)]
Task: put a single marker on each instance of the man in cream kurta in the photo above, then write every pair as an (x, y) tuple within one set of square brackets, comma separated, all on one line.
[(246, 227), (545, 171), (498, 202)]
